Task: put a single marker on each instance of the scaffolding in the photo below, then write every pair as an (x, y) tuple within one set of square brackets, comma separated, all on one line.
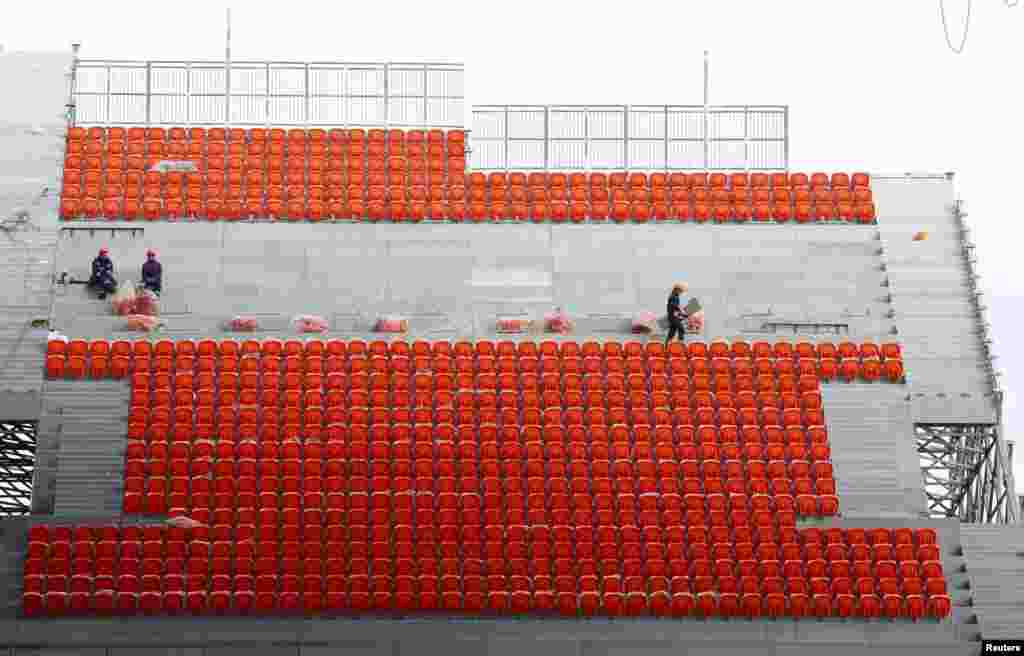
[(17, 466), (967, 473)]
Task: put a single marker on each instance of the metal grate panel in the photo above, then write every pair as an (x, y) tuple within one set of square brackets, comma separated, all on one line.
[(628, 137), (17, 466), (297, 94)]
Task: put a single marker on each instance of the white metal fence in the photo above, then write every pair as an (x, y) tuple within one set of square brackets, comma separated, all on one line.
[(165, 93), (624, 137)]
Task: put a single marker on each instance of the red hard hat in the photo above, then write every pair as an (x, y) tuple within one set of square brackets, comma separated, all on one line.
[(104, 251), (151, 253)]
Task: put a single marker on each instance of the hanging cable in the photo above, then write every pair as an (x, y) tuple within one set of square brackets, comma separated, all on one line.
[(967, 25)]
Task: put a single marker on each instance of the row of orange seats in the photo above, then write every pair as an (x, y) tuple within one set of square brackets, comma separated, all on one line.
[(247, 602), (444, 364), (419, 407), (737, 487), (299, 210), (256, 152), (640, 180), (264, 135), (449, 169), (805, 536), (325, 175), (349, 508), (483, 347), (641, 409), (413, 186), (438, 372), (729, 442), (98, 367), (794, 445), (399, 185)]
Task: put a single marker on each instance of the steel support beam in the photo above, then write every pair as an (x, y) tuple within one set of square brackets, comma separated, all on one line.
[(966, 474), (17, 466)]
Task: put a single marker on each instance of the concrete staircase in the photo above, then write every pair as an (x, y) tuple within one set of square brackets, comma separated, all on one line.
[(929, 282), (877, 469), (994, 565), (81, 444), (13, 536), (25, 266)]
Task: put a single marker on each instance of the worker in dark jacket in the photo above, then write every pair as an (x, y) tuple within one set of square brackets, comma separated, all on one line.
[(152, 273), (102, 278), (675, 315)]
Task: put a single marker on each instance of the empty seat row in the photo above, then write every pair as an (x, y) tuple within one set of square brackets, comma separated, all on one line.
[(522, 602), (294, 506), (688, 443), (600, 566), (444, 364), (706, 442), (640, 180), (313, 579), (96, 576), (260, 155), (616, 425), (423, 182), (510, 393), (263, 135), (60, 366), (806, 536), (366, 425), (405, 549), (565, 348), (154, 209), (577, 445), (397, 479)]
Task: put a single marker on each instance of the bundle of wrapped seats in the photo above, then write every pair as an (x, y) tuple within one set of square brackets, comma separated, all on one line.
[(142, 322), (519, 324), (123, 300), (129, 299), (392, 324), (644, 323), (242, 325), (557, 322), (147, 302), (310, 323)]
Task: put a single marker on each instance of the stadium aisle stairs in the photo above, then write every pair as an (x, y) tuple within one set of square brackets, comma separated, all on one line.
[(84, 424), (994, 561), (876, 465), (26, 265)]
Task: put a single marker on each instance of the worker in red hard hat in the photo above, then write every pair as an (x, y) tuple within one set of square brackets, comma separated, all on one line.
[(152, 273), (102, 278)]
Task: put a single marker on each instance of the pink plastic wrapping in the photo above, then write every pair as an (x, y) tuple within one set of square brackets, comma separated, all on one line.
[(644, 322)]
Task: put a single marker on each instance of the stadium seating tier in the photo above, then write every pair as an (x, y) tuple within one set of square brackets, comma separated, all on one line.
[(346, 476), (517, 570), (407, 176)]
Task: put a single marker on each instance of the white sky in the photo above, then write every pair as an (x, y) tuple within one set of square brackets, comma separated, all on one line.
[(871, 84)]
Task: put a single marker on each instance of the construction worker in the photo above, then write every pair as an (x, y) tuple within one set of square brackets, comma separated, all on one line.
[(152, 273), (102, 278), (675, 315)]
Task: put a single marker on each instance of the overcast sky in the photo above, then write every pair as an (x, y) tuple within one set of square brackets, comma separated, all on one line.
[(871, 85)]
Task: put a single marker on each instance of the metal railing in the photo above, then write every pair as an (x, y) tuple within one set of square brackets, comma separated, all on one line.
[(264, 94), (625, 137)]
